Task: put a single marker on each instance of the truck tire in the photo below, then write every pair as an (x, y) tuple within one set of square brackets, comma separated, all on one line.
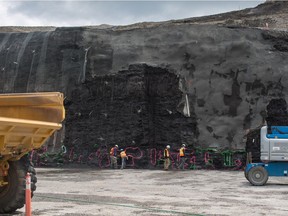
[(246, 174), (12, 196), (258, 176)]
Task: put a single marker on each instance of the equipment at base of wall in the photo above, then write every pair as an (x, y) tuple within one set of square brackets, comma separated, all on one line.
[(274, 156), (26, 122)]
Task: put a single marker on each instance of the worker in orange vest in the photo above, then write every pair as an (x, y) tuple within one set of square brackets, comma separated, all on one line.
[(182, 156), (167, 157), (113, 157), (124, 157)]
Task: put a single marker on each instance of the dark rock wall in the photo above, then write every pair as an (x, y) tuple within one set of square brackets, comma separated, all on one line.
[(202, 85), (230, 74), (137, 106)]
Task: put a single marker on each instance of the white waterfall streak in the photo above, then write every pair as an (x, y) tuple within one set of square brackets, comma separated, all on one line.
[(83, 75), (54, 140), (186, 109), (30, 72), (19, 57), (40, 74), (4, 41)]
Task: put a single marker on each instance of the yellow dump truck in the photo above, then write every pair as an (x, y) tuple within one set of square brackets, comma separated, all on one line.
[(26, 122)]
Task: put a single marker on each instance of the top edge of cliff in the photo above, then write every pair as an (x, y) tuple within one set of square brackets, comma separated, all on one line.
[(270, 14)]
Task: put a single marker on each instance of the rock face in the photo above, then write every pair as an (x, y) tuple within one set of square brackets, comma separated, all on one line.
[(144, 88)]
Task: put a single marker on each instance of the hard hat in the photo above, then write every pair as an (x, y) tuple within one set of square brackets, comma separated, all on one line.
[(168, 146), (116, 146), (183, 145)]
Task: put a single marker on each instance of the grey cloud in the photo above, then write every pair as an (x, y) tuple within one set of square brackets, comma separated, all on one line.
[(117, 12)]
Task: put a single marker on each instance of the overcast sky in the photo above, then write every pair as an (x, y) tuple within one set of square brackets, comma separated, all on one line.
[(81, 13)]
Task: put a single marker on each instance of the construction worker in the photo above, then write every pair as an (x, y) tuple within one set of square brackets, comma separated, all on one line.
[(182, 156), (113, 157), (124, 157), (167, 157)]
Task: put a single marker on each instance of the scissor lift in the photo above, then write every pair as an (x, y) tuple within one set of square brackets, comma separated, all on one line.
[(274, 156)]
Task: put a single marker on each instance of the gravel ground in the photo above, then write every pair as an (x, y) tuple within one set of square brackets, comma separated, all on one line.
[(154, 192)]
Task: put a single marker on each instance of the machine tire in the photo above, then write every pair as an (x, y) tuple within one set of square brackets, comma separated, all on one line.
[(32, 172), (246, 174), (258, 176), (12, 196)]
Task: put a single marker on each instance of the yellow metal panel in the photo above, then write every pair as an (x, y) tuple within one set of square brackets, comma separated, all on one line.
[(2, 143), (27, 121), (46, 106)]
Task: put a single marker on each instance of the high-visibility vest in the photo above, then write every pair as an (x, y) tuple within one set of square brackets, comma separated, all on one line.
[(166, 153), (123, 154), (182, 152)]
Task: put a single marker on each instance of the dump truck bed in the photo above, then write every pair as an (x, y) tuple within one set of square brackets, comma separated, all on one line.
[(19, 136), (27, 121), (46, 106)]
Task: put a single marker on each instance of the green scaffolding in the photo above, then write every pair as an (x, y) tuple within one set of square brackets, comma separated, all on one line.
[(228, 157)]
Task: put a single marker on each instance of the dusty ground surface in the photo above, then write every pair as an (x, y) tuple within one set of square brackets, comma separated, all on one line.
[(155, 192)]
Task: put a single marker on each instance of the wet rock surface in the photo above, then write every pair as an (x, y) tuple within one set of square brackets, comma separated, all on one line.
[(144, 88)]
